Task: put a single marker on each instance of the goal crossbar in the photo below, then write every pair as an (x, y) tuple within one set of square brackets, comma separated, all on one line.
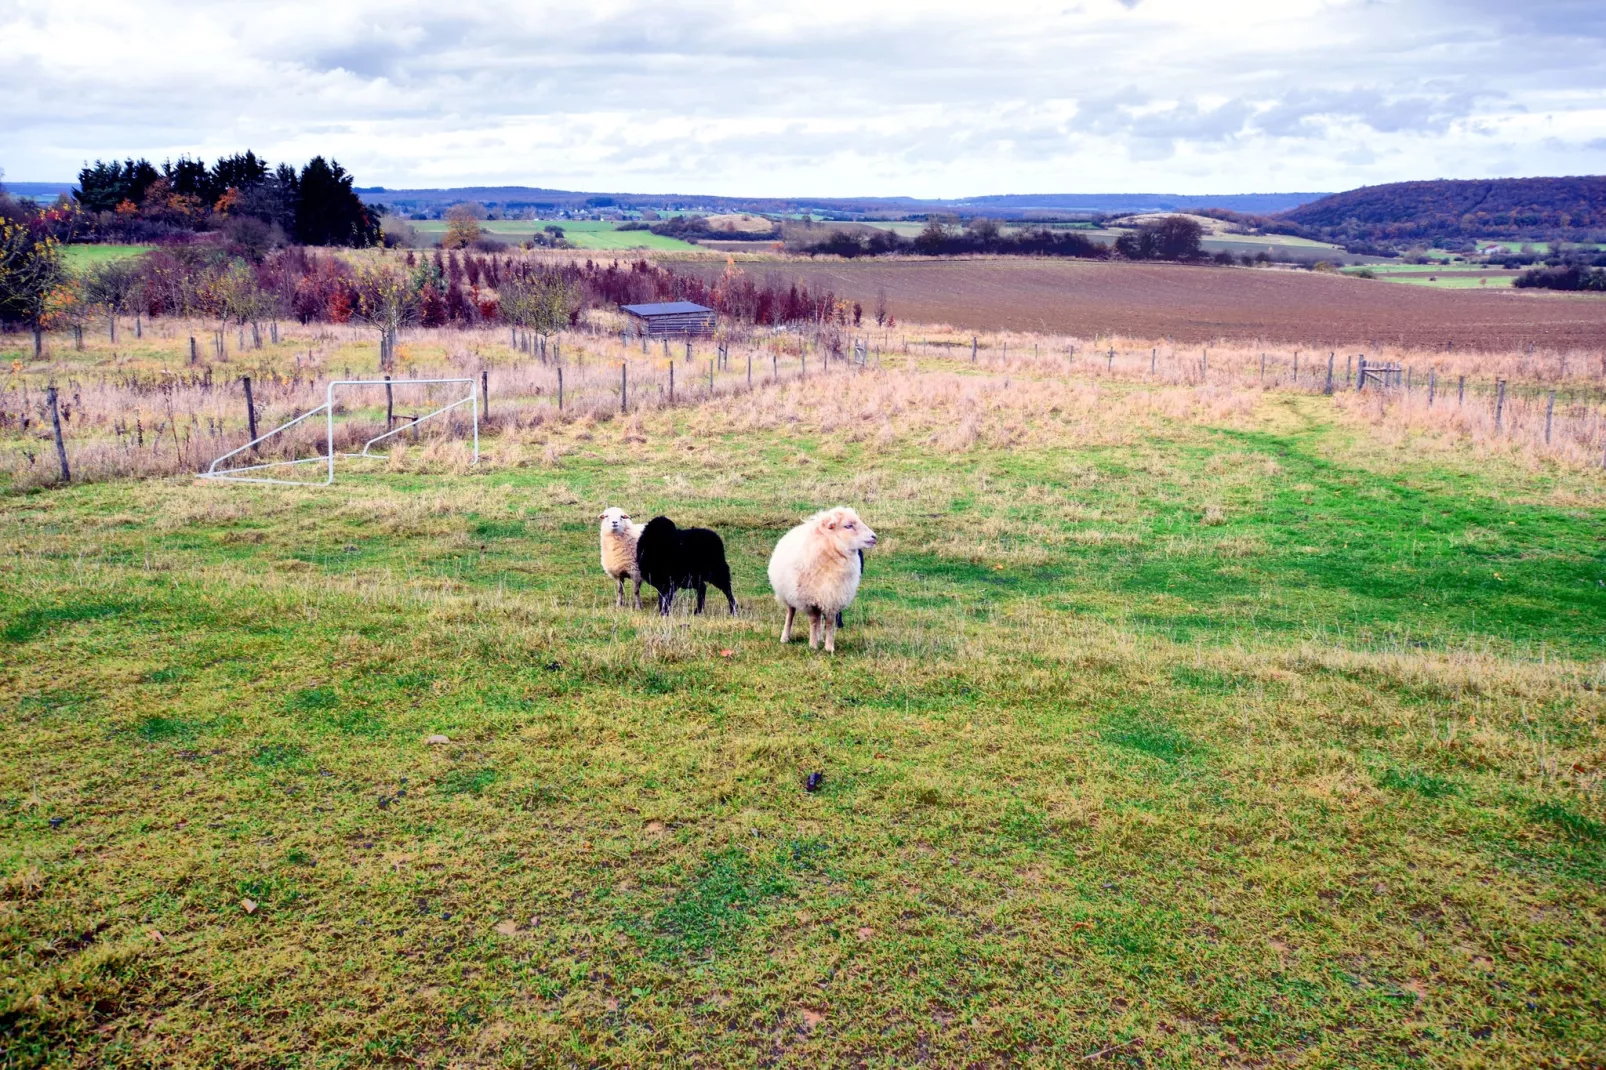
[(329, 456)]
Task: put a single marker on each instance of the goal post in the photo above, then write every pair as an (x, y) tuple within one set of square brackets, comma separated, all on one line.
[(330, 455)]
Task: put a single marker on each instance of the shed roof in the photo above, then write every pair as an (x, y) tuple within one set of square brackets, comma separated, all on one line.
[(665, 308)]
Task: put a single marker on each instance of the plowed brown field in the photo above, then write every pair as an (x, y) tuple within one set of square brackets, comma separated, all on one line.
[(1201, 303)]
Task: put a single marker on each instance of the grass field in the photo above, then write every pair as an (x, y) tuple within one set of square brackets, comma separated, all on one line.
[(1454, 277), (582, 233), (1173, 727), (80, 257)]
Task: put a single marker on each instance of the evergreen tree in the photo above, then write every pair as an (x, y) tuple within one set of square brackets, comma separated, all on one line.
[(103, 186), (328, 212)]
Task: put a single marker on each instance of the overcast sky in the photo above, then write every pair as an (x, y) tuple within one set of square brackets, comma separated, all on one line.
[(828, 99)]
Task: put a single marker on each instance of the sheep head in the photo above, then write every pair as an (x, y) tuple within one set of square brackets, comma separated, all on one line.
[(844, 530), (615, 521)]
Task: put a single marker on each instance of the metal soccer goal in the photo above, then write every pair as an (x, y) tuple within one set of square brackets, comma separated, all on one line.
[(328, 457)]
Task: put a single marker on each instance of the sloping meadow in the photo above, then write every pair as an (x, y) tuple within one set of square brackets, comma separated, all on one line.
[(1173, 726)]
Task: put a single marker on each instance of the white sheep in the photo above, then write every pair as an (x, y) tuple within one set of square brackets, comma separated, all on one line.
[(619, 537), (816, 568)]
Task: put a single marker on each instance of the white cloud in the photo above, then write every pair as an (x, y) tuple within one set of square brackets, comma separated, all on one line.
[(835, 98)]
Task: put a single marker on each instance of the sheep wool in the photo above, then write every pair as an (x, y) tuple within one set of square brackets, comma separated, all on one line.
[(619, 535), (816, 568)]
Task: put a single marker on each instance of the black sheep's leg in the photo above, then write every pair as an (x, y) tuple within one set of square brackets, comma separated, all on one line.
[(666, 599), (729, 597), (702, 594), (839, 618)]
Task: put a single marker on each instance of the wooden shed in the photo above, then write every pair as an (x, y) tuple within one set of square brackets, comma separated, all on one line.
[(672, 317)]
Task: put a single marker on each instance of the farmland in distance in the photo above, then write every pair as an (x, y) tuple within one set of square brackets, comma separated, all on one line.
[(1198, 303), (581, 233)]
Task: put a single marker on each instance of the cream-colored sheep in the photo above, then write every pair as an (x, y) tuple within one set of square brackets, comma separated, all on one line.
[(619, 537), (816, 567)]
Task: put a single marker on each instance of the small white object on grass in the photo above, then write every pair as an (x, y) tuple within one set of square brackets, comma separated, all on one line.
[(437, 740)]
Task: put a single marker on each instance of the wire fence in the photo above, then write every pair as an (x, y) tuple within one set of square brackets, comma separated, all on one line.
[(175, 396)]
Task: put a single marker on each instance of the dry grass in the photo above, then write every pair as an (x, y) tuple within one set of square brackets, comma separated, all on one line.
[(141, 408)]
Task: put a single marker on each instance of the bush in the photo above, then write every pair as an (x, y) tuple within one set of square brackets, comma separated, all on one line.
[(1565, 277)]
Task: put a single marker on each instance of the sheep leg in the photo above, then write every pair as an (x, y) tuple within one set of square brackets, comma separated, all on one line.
[(828, 626), (620, 603), (731, 598), (814, 627), (786, 628), (666, 599), (702, 595), (638, 590)]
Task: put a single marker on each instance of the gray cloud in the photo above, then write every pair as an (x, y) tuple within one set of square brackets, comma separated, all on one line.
[(948, 99)]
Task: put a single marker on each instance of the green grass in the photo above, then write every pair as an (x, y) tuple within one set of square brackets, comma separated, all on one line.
[(1459, 276), (1315, 782), (581, 233), (81, 257)]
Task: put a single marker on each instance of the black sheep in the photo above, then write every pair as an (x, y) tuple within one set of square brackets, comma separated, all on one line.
[(674, 559)]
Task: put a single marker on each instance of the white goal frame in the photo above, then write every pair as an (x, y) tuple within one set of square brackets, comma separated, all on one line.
[(234, 475)]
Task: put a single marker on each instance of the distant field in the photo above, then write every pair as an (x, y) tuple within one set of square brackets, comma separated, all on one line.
[(583, 234), (1238, 245), (80, 257), (1201, 303), (1456, 277)]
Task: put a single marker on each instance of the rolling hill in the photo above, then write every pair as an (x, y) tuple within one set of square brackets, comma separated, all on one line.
[(1526, 208)]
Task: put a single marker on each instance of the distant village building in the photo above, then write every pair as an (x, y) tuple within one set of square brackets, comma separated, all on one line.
[(671, 317)]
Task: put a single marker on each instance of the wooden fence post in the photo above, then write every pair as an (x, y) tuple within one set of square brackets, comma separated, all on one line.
[(1154, 354), (1550, 408), (775, 367), (193, 356), (1499, 404), (710, 378), (1328, 389), (671, 382), (390, 404), (1461, 391), (560, 389), (1360, 376), (250, 410), (973, 349), (749, 369), (485, 394), (1433, 385), (61, 447), (624, 383)]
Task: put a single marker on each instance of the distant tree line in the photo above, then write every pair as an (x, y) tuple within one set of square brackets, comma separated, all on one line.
[(1169, 238), (255, 205), (694, 228), (1562, 277)]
